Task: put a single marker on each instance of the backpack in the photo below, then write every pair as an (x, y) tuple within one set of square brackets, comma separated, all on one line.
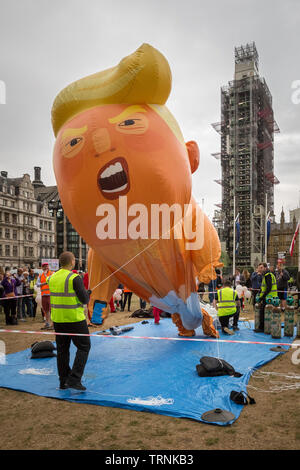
[(212, 367), (42, 349)]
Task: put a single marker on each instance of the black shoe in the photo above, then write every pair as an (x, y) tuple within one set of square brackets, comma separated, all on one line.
[(259, 330), (76, 386), (63, 386), (235, 328)]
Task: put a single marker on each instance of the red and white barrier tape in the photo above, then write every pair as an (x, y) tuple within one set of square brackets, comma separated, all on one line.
[(211, 340), (16, 297)]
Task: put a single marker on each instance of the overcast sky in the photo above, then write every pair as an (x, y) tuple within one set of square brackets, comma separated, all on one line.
[(46, 44)]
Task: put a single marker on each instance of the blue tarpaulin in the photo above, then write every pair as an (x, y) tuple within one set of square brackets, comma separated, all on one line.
[(153, 375)]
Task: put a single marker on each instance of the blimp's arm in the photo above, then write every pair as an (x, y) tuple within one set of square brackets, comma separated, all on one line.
[(101, 282), (206, 250)]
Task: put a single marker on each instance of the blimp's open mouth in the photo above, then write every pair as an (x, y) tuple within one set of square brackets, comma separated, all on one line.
[(113, 178)]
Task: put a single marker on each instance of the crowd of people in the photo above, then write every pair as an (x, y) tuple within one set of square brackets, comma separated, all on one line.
[(24, 289), (228, 295)]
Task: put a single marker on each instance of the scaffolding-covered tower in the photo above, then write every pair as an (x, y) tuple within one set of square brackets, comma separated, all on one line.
[(247, 157)]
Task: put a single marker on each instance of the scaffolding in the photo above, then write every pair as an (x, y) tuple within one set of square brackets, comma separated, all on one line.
[(247, 130)]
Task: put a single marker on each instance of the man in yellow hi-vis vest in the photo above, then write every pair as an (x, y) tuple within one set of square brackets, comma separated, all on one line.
[(228, 306), (67, 296), (268, 291)]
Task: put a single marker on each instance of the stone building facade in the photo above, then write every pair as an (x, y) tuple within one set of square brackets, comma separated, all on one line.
[(27, 228), (280, 240), (33, 225)]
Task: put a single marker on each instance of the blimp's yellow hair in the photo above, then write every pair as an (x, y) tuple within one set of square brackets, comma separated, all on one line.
[(143, 77)]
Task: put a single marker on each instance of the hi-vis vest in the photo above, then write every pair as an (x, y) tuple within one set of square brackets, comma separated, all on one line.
[(273, 292), (44, 285), (65, 305), (226, 301)]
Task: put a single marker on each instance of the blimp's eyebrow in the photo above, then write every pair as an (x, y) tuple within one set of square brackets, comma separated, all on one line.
[(127, 112), (74, 132)]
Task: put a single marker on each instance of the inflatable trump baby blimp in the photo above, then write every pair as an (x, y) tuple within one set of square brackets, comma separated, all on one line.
[(124, 176)]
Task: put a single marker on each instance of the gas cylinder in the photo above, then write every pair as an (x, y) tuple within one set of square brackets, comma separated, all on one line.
[(268, 316), (289, 315), (256, 313), (276, 319)]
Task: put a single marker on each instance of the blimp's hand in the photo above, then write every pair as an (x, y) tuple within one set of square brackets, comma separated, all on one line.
[(194, 154)]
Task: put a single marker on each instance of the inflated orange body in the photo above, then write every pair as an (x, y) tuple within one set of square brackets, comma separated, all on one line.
[(116, 166)]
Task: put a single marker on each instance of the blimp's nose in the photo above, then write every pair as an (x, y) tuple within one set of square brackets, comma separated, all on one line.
[(101, 141)]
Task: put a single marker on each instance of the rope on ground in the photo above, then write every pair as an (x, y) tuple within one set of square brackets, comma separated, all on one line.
[(276, 386)]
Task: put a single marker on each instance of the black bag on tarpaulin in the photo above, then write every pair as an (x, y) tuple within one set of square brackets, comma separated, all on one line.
[(241, 398), (142, 313), (42, 349), (213, 367)]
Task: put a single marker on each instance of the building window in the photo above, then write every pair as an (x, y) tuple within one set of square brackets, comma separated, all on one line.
[(7, 250), (15, 234), (1, 250), (25, 251), (50, 226), (15, 219), (41, 224), (31, 251), (15, 250), (7, 233), (6, 217)]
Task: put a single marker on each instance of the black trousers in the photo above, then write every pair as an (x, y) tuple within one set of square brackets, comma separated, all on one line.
[(10, 310), (127, 296), (34, 307), (83, 345), (262, 314), (224, 320)]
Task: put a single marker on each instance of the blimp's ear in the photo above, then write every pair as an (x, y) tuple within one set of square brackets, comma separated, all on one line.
[(194, 154)]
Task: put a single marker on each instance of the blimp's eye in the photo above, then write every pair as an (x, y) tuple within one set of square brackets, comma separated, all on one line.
[(129, 122), (72, 147), (74, 141), (136, 124)]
